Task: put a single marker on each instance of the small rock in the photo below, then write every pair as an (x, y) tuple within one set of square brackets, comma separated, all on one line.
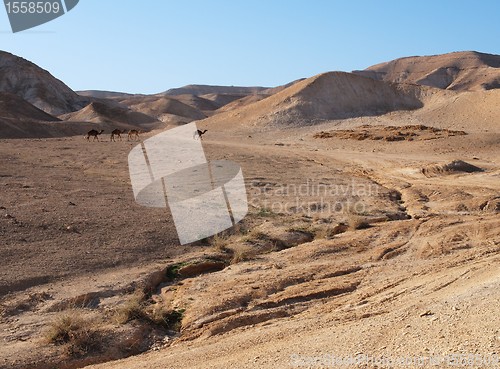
[(71, 228), (71, 203), (427, 313)]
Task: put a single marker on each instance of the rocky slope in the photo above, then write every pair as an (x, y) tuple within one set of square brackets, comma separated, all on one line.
[(163, 108), (18, 118), (327, 96), (467, 70), (102, 112), (37, 86)]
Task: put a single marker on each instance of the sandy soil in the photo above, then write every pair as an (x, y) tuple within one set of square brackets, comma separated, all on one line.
[(402, 265)]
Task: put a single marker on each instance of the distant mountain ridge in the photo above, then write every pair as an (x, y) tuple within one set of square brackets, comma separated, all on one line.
[(99, 112), (464, 70), (208, 89), (101, 94), (32, 100)]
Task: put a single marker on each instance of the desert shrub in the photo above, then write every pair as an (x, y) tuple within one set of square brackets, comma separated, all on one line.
[(167, 318), (132, 309), (81, 335), (219, 242), (242, 253), (138, 308)]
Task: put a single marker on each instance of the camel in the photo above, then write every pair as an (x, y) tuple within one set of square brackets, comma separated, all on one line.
[(94, 133), (133, 133), (118, 133), (199, 133)]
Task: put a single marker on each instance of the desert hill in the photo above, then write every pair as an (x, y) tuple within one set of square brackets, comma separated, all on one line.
[(37, 86), (18, 118), (332, 95), (198, 102), (114, 114), (250, 99), (246, 100), (209, 89), (467, 70), (13, 107), (162, 107), (99, 94), (221, 100), (477, 111), (209, 98)]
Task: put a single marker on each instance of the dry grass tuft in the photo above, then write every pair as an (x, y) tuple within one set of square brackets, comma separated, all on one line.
[(242, 253), (167, 318), (219, 242), (82, 335), (132, 309), (137, 308)]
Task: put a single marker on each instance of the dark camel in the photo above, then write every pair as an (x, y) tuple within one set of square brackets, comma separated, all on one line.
[(199, 133), (133, 133), (94, 133), (117, 133)]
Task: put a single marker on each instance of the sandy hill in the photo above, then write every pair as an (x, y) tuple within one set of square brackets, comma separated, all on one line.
[(247, 100), (274, 90), (18, 118), (37, 86), (208, 89), (14, 107), (197, 102), (333, 95), (468, 70), (472, 111), (223, 99), (163, 108), (250, 99), (100, 112)]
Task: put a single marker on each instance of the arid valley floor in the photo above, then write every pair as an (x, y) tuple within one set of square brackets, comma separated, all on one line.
[(373, 231)]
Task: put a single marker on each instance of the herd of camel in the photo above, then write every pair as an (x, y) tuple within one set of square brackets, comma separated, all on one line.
[(132, 134)]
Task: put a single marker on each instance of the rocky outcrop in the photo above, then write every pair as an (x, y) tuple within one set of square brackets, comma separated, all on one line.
[(37, 86)]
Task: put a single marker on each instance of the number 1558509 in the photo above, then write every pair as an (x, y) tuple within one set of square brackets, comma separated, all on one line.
[(32, 7)]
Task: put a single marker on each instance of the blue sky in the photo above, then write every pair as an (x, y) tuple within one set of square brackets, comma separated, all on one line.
[(150, 46)]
